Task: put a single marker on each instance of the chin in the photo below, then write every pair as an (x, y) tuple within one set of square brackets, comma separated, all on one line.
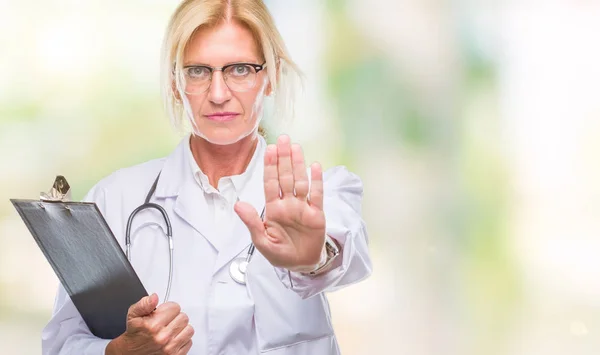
[(224, 135)]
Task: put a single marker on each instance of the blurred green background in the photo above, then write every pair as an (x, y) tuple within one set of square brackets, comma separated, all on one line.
[(475, 126)]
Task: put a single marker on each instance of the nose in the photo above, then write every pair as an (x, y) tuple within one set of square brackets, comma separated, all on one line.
[(218, 93)]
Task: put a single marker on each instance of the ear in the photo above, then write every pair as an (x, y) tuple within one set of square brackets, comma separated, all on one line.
[(269, 87), (175, 91)]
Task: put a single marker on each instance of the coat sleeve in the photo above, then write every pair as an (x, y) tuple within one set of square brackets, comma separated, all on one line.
[(342, 194), (66, 332)]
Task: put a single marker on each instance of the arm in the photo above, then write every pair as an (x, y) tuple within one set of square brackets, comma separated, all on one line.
[(342, 205), (67, 333)]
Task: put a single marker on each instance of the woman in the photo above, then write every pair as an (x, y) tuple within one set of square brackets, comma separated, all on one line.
[(220, 60)]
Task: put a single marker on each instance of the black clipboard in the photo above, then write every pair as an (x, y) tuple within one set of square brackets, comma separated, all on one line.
[(88, 260)]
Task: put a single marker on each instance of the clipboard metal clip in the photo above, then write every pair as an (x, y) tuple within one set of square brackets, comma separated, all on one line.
[(59, 192)]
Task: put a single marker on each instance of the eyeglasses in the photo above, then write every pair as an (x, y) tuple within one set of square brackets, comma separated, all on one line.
[(238, 77)]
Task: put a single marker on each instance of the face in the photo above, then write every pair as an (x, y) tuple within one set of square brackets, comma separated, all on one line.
[(224, 113)]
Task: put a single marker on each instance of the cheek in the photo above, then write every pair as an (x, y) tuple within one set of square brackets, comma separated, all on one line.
[(196, 102), (250, 102)]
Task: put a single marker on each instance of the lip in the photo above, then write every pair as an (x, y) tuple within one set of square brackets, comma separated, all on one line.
[(222, 116)]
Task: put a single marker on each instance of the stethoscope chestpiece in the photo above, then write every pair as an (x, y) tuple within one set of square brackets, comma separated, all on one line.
[(237, 270), (239, 266)]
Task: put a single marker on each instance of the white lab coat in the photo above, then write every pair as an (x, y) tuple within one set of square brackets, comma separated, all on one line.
[(288, 313)]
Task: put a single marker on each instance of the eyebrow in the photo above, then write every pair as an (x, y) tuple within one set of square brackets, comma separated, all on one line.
[(196, 64)]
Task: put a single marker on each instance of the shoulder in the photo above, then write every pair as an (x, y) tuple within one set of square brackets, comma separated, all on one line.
[(340, 178), (129, 178), (342, 194)]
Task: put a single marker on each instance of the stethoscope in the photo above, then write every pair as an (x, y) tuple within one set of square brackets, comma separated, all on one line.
[(237, 268)]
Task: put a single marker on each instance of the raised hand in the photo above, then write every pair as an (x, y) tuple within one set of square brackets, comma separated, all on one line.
[(292, 235)]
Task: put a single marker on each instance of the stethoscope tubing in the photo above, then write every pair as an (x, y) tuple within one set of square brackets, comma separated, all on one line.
[(169, 232)]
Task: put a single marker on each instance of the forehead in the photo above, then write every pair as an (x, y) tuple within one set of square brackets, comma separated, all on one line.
[(222, 44)]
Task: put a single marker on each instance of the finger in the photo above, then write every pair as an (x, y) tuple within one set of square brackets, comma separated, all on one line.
[(174, 327), (165, 313), (250, 217), (316, 186), (143, 307), (300, 176), (284, 165), (185, 349), (271, 177), (183, 340)]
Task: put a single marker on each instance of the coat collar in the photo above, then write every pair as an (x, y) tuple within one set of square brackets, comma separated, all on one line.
[(177, 180), (175, 172)]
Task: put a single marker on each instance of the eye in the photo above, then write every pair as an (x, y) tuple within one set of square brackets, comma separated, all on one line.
[(240, 70), (198, 72)]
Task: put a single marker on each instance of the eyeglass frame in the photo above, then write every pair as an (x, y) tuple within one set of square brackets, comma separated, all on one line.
[(257, 67)]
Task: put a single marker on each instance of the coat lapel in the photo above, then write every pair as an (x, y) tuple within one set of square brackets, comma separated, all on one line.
[(192, 208), (238, 241), (177, 180)]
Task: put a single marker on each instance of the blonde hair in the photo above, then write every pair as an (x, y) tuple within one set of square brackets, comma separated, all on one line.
[(283, 74)]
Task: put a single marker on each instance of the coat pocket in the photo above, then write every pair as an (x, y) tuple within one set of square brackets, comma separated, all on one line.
[(283, 318)]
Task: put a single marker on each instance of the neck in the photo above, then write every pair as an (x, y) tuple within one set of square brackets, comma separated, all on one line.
[(217, 161)]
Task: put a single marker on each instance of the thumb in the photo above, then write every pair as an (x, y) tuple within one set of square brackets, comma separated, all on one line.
[(144, 307), (250, 217)]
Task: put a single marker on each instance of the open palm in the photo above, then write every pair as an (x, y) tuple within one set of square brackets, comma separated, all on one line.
[(293, 232)]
